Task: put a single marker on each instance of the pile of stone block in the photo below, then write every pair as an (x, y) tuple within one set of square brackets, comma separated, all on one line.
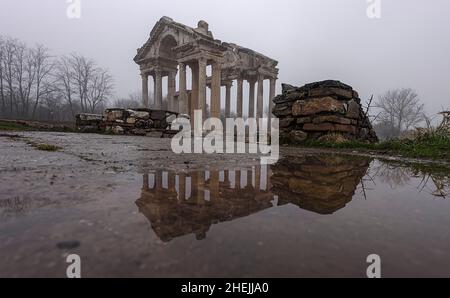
[(143, 122), (321, 109)]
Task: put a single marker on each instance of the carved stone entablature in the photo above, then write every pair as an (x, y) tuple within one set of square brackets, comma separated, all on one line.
[(181, 43)]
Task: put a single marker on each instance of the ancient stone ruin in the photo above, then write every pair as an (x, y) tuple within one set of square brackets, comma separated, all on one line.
[(317, 110), (176, 49), (144, 122)]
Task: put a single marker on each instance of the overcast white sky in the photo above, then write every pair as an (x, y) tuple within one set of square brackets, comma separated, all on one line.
[(312, 39)]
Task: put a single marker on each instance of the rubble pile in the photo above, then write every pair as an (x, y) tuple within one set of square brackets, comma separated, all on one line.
[(143, 122), (320, 109)]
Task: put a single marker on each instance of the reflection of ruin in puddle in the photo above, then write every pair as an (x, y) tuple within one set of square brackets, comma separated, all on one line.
[(178, 204)]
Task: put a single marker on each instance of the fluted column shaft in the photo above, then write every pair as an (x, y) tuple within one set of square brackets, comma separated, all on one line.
[(240, 93), (271, 96), (202, 86), (228, 99), (215, 90), (171, 85), (182, 97), (158, 90), (260, 98), (251, 102), (145, 90)]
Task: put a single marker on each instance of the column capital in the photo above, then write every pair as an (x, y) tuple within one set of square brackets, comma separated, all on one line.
[(202, 61), (182, 66)]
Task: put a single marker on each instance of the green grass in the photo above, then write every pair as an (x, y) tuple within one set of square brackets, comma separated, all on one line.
[(11, 126), (45, 147), (432, 145)]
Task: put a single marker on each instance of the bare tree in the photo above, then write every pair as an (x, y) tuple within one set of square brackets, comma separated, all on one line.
[(9, 49), (43, 66), (99, 88), (400, 110), (64, 82), (82, 71), (2, 92)]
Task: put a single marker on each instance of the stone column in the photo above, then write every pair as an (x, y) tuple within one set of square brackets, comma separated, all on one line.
[(271, 97), (215, 90), (228, 99), (158, 90), (251, 98), (145, 90), (182, 97), (240, 93), (202, 86), (194, 94), (171, 86), (260, 98)]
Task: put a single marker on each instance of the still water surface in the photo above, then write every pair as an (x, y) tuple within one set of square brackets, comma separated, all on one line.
[(315, 215)]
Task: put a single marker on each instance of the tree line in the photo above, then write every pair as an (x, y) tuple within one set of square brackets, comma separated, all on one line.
[(36, 85)]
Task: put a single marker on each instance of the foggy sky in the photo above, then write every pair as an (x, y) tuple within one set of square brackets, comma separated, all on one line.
[(312, 39)]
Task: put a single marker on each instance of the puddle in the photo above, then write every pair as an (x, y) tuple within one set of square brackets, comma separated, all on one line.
[(314, 215)]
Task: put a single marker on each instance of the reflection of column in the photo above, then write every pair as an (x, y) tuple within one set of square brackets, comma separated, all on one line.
[(202, 86), (239, 96), (214, 185), (194, 93), (170, 181), (158, 90), (228, 99), (182, 97), (251, 99), (145, 90), (171, 85), (260, 98), (249, 178), (200, 187), (158, 180), (226, 178), (215, 90), (181, 186), (237, 178), (257, 178), (145, 184)]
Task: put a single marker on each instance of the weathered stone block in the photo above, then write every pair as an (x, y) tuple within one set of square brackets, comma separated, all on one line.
[(317, 105), (332, 119), (353, 110), (297, 136), (329, 127), (323, 92), (286, 122), (158, 115), (303, 120)]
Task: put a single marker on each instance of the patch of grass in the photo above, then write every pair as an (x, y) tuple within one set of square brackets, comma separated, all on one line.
[(432, 145), (11, 126), (45, 147)]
